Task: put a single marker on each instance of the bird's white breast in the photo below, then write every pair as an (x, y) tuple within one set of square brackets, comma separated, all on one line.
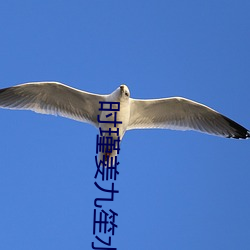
[(121, 116)]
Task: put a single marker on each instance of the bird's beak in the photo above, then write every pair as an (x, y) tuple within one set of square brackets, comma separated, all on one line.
[(122, 88)]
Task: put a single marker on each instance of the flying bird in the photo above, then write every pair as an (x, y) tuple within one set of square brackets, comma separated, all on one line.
[(175, 113)]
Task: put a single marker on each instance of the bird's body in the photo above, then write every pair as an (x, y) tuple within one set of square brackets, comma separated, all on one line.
[(167, 113), (109, 116), (122, 115)]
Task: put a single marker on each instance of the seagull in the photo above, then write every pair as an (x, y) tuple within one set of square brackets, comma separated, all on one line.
[(176, 113)]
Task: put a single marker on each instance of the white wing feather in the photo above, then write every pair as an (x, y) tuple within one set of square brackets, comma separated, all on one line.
[(53, 98), (182, 114)]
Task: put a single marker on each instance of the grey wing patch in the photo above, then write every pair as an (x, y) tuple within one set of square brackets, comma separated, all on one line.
[(53, 98), (178, 113)]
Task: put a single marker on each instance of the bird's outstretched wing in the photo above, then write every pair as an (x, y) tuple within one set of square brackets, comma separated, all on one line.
[(53, 98), (182, 114)]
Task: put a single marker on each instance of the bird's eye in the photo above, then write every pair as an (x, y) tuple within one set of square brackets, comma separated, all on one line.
[(126, 93)]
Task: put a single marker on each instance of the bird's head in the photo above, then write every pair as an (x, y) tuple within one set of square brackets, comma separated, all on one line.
[(120, 94), (124, 91)]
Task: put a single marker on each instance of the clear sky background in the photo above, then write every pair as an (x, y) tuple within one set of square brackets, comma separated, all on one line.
[(178, 190)]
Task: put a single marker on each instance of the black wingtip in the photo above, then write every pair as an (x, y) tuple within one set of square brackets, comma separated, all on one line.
[(239, 131)]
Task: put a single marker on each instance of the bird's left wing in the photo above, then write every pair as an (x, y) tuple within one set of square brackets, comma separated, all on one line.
[(53, 98), (182, 114)]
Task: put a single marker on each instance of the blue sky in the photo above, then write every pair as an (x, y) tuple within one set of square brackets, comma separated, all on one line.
[(178, 190)]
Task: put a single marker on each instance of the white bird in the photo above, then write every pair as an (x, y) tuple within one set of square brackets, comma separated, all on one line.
[(167, 113)]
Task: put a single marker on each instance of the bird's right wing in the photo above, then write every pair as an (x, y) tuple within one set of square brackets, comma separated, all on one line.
[(53, 98), (182, 114)]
